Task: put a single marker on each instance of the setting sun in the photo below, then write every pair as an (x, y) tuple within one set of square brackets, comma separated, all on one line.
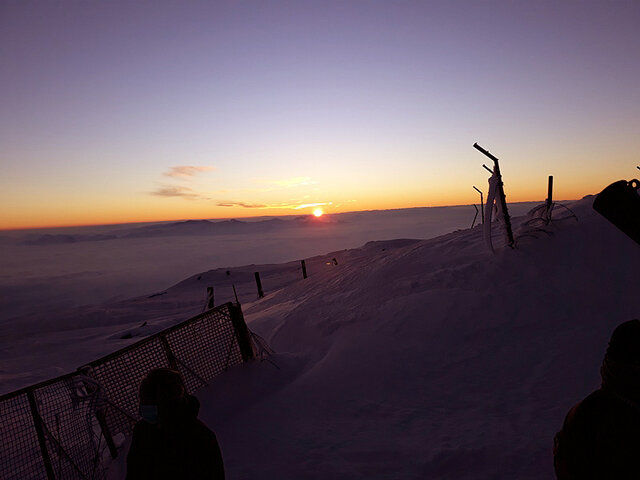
[(318, 212)]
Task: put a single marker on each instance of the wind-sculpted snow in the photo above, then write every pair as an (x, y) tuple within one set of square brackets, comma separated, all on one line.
[(406, 359), (434, 359)]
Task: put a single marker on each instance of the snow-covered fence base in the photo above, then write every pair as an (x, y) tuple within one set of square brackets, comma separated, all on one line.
[(62, 428)]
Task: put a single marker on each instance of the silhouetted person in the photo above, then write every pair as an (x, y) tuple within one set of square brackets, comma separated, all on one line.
[(170, 442), (600, 438)]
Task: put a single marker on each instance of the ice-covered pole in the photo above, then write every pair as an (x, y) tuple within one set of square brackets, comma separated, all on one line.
[(501, 196)]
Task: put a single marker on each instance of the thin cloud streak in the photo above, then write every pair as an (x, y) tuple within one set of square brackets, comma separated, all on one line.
[(307, 205), (187, 171), (260, 206), (176, 191), (241, 204)]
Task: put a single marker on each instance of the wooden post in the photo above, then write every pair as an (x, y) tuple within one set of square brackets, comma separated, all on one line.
[(37, 420), (304, 269), (210, 302), (259, 284)]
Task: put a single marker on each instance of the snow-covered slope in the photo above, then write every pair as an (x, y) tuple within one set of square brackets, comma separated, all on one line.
[(407, 359), (431, 359)]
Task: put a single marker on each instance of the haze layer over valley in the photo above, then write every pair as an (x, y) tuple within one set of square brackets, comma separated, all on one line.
[(66, 267)]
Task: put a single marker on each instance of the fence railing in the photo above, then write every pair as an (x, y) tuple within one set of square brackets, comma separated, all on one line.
[(67, 427)]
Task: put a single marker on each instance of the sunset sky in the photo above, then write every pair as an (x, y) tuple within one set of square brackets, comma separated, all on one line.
[(114, 111)]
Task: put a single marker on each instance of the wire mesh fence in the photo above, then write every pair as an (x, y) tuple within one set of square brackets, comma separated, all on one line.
[(65, 428)]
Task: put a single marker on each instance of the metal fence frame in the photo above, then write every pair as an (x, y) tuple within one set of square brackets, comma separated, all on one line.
[(62, 428)]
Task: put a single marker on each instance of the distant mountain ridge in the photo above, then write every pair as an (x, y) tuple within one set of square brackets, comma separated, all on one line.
[(182, 228)]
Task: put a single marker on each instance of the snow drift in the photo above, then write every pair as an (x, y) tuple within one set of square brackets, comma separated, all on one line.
[(431, 359), (408, 359)]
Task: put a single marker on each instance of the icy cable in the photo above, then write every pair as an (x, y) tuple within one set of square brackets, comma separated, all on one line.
[(65, 428)]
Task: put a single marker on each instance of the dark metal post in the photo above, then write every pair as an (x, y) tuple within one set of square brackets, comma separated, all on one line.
[(304, 269), (481, 205), (235, 294), (501, 196), (242, 332), (210, 298), (259, 284), (475, 216), (102, 421), (549, 198), (171, 358), (40, 432)]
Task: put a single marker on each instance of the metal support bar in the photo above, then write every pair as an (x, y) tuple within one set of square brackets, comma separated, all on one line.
[(210, 302), (40, 432), (235, 294), (167, 350), (486, 152), (481, 204), (304, 269), (106, 433)]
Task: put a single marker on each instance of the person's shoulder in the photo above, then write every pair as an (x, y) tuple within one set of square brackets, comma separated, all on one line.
[(596, 401), (202, 429), (602, 402)]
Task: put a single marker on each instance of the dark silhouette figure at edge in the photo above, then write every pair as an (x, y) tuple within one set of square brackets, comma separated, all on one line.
[(170, 442), (600, 437)]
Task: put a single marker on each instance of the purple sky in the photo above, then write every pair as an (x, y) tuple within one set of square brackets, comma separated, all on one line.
[(352, 104)]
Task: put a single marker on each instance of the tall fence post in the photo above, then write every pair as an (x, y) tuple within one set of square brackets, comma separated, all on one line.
[(259, 284), (304, 269), (242, 332), (210, 298), (40, 432), (549, 198)]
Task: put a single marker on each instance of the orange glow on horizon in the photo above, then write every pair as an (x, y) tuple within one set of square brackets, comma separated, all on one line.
[(108, 211)]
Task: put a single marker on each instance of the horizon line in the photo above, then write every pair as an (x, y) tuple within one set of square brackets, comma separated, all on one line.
[(79, 225)]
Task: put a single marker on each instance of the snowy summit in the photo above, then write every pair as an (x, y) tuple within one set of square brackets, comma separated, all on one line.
[(427, 359)]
